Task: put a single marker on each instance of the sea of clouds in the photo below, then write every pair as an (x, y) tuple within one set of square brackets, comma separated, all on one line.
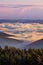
[(23, 31)]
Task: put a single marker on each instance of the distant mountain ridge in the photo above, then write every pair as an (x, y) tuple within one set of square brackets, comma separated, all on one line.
[(36, 44), (19, 43), (4, 40), (5, 36), (21, 21)]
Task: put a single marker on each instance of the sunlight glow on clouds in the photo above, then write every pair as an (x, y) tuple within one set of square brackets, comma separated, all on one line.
[(27, 32)]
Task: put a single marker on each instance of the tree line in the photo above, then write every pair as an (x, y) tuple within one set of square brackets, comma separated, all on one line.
[(13, 56)]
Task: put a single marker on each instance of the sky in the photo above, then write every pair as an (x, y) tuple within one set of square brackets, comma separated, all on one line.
[(21, 1), (21, 9)]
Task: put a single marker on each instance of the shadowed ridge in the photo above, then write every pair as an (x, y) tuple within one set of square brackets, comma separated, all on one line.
[(5, 36), (36, 44), (2, 34), (38, 41), (4, 40)]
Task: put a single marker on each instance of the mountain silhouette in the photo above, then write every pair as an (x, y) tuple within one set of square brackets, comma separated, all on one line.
[(37, 44), (5, 40)]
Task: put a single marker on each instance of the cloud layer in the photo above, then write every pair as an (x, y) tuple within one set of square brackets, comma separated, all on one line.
[(27, 32)]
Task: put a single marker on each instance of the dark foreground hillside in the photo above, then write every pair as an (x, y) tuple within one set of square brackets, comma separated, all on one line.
[(13, 56)]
